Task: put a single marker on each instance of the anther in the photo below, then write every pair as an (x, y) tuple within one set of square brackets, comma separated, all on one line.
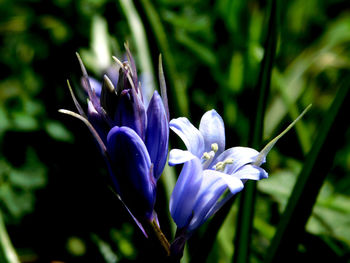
[(206, 156), (220, 166), (215, 147), (228, 161)]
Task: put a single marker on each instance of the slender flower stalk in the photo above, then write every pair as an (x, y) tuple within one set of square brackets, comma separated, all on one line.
[(210, 175), (132, 137)]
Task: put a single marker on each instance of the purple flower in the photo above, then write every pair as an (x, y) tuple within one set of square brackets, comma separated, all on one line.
[(210, 175), (132, 137)]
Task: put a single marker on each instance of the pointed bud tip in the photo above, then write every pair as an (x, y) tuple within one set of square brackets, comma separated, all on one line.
[(108, 83), (82, 67), (263, 153)]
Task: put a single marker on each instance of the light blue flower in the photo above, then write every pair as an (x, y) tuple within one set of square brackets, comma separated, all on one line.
[(210, 175)]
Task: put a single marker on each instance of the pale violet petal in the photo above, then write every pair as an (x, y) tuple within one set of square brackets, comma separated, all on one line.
[(218, 205), (240, 156), (189, 134), (233, 183), (185, 192), (213, 187), (213, 130), (211, 190), (251, 172), (177, 156)]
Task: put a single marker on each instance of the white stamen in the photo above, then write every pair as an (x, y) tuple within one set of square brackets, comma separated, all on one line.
[(208, 157)]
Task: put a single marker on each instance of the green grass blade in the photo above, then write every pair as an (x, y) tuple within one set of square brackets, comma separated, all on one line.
[(178, 90), (141, 44), (290, 82), (7, 251), (247, 198), (202, 250), (318, 163)]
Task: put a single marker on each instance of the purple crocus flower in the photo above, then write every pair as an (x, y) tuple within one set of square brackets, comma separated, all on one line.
[(132, 137), (210, 175)]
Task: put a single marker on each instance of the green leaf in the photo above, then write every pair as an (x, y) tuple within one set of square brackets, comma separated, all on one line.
[(330, 215), (18, 185), (106, 250), (122, 239), (315, 169), (141, 43), (24, 122), (248, 196), (203, 52), (223, 249), (293, 84), (58, 132), (99, 57), (178, 89)]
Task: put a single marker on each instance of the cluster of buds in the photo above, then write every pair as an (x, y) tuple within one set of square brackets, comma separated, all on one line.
[(133, 137)]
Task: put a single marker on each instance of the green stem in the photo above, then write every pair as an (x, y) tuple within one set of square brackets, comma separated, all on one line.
[(7, 251), (161, 237)]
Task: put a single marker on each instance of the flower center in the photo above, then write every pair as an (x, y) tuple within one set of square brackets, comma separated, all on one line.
[(208, 156)]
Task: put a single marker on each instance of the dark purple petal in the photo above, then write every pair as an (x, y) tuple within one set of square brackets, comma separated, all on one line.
[(98, 122), (132, 66), (132, 167), (131, 113), (85, 82), (184, 195), (108, 97), (157, 134)]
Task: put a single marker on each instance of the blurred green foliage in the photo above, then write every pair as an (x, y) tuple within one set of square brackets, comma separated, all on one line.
[(212, 50), (18, 185)]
